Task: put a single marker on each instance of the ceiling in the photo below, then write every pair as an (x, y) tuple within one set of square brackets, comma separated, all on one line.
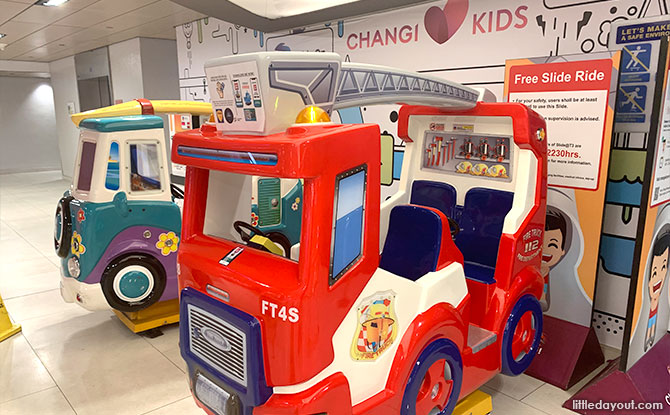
[(43, 34), (274, 15)]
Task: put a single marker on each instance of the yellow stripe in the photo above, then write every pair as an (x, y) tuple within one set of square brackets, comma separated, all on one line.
[(134, 108)]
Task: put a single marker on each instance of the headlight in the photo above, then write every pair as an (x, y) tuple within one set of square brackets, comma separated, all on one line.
[(73, 267)]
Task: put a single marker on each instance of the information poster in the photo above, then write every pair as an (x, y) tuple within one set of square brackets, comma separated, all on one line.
[(178, 123), (236, 97), (572, 97), (575, 94)]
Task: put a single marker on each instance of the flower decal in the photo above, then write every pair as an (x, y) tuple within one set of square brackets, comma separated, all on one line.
[(254, 219), (80, 215), (76, 246), (167, 243), (296, 204)]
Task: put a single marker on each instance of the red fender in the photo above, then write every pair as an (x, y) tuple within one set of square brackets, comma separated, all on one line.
[(440, 321), (331, 396), (528, 281)]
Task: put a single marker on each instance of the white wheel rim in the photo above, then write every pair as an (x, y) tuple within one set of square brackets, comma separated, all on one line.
[(118, 278)]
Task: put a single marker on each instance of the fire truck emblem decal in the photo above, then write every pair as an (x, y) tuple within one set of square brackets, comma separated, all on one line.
[(377, 326), (216, 339)]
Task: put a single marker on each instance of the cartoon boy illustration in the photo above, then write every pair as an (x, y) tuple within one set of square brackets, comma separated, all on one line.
[(658, 273), (376, 327), (553, 249)]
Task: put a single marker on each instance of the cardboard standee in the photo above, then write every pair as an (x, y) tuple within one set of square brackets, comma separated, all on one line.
[(644, 385), (575, 94), (643, 247)]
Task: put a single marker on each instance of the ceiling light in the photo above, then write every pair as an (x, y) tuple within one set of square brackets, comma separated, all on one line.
[(275, 9), (50, 2), (2, 35)]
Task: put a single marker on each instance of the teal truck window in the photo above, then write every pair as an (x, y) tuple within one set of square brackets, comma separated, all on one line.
[(112, 179), (86, 165), (348, 223), (144, 167)]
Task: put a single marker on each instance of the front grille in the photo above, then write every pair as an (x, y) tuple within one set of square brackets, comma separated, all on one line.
[(218, 343)]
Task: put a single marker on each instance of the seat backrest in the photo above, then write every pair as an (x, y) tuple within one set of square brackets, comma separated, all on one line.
[(413, 242), (481, 224), (441, 196)]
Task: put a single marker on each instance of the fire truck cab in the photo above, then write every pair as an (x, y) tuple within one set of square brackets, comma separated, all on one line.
[(397, 307)]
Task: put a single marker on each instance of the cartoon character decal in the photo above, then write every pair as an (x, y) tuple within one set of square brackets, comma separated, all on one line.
[(497, 170), (658, 274), (464, 167), (377, 326), (479, 169), (553, 249)]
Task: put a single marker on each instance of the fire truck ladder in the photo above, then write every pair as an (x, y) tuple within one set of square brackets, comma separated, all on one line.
[(332, 84), (362, 84)]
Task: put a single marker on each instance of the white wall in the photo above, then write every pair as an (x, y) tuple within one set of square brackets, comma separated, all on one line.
[(28, 135), (160, 73), (64, 83), (92, 64), (126, 70)]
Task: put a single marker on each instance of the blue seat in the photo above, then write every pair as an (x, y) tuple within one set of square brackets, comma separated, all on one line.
[(413, 242), (441, 196), (481, 226)]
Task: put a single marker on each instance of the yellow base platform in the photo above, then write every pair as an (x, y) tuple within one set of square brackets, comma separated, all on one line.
[(477, 403), (7, 328), (159, 314), (9, 332)]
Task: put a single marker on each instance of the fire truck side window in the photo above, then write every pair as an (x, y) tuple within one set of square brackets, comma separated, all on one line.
[(347, 236), (144, 167), (112, 178), (86, 165)]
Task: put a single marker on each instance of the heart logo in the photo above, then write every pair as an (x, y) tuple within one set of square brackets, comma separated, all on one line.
[(442, 24)]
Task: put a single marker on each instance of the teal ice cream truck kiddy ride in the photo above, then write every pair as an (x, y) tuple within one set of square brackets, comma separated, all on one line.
[(117, 228)]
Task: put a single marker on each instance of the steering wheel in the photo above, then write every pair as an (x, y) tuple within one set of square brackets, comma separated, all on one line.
[(454, 227), (238, 225)]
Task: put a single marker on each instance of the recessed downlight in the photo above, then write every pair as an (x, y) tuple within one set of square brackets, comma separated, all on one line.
[(50, 3)]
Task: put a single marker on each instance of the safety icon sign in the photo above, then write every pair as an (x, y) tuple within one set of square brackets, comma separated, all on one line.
[(630, 103), (636, 58)]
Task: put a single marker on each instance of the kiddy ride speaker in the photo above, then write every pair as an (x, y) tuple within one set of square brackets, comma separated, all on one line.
[(378, 309)]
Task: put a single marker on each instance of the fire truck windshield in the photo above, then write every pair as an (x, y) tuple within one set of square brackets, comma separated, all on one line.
[(263, 213)]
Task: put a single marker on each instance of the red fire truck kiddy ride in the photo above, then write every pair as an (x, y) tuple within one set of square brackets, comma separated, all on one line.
[(397, 307)]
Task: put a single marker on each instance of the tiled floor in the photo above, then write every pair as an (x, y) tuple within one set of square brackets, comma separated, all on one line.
[(68, 360)]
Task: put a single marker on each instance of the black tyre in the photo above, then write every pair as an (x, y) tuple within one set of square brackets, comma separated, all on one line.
[(133, 282), (63, 227)]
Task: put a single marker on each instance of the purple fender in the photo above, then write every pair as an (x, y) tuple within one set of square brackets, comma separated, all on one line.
[(133, 240)]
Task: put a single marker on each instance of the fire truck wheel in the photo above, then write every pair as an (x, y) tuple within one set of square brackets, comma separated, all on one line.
[(435, 381), (522, 334), (133, 282), (63, 227), (281, 241)]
